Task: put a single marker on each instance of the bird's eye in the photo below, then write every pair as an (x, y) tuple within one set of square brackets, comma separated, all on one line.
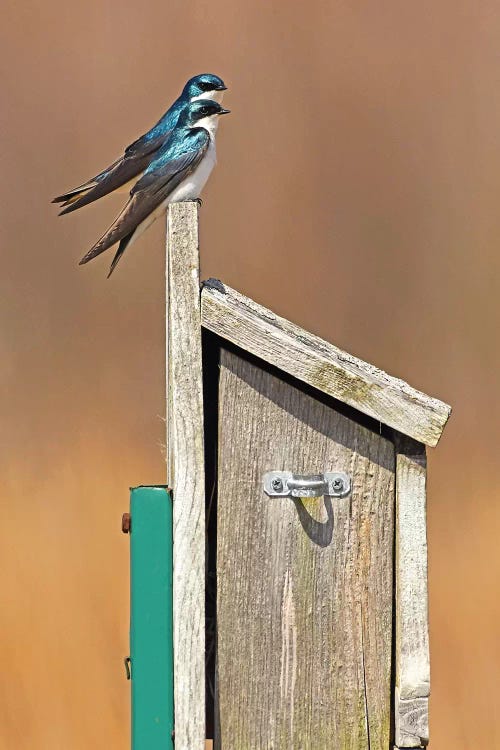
[(205, 85), (205, 111)]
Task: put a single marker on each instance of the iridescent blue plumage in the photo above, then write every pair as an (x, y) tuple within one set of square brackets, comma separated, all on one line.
[(194, 89), (178, 171), (141, 152)]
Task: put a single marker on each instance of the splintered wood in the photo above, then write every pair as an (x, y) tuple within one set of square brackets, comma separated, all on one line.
[(304, 597)]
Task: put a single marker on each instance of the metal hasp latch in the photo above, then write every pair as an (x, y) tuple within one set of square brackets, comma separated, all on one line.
[(286, 484)]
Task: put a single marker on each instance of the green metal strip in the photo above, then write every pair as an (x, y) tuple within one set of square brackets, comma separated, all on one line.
[(151, 638)]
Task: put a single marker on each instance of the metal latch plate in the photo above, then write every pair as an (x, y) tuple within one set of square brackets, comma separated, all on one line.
[(287, 484)]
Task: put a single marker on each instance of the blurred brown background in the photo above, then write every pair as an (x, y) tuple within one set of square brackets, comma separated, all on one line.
[(359, 174)]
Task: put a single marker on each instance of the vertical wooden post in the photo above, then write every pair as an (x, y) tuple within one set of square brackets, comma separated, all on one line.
[(186, 471), (412, 639)]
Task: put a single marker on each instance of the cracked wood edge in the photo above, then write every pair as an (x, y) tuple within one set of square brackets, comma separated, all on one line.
[(186, 472), (412, 630), (309, 358)]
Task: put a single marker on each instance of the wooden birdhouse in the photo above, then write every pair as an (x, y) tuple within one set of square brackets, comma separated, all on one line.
[(299, 528)]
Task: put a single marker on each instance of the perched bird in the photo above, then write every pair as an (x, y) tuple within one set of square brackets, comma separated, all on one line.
[(178, 173), (141, 152)]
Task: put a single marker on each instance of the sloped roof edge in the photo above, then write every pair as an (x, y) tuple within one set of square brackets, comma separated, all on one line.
[(320, 364)]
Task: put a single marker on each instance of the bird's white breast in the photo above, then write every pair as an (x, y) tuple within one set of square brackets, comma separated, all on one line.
[(192, 186)]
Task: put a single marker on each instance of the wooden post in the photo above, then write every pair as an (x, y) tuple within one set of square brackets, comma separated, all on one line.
[(186, 472), (412, 639)]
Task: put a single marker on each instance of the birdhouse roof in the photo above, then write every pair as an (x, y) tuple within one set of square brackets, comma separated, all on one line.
[(320, 364)]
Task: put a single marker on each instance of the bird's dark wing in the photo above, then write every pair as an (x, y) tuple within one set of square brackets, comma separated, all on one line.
[(66, 198), (160, 179), (147, 143), (135, 160), (124, 243)]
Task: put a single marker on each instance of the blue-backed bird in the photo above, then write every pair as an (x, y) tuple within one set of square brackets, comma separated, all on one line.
[(141, 152), (178, 173)]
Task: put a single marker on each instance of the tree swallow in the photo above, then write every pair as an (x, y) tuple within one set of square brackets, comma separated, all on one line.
[(178, 173), (141, 152)]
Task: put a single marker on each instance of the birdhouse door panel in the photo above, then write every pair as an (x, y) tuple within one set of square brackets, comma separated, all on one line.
[(304, 586)]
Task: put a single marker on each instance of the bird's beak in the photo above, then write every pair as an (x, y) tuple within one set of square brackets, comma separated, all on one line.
[(222, 88), (224, 111)]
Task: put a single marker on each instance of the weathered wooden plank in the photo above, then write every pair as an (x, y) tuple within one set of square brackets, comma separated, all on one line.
[(186, 472), (412, 630), (322, 365), (304, 597), (411, 721)]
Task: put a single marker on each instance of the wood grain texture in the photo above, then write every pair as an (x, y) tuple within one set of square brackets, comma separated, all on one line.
[(322, 365), (412, 629), (304, 598), (186, 472), (411, 721)]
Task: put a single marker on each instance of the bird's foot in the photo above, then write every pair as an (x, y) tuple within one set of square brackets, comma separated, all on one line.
[(198, 201)]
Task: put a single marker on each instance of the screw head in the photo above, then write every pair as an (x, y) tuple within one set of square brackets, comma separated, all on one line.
[(277, 484), (338, 484), (126, 523)]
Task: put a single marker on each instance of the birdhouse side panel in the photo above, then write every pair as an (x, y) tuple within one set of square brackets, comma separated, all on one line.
[(412, 665), (304, 585)]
